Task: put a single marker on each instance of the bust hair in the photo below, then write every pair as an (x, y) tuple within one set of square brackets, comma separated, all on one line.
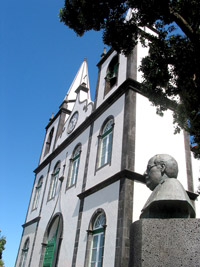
[(171, 165)]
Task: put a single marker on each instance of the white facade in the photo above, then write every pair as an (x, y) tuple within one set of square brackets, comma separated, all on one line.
[(81, 187)]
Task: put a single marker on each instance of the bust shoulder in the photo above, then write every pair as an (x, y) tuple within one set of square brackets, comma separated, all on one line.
[(168, 200)]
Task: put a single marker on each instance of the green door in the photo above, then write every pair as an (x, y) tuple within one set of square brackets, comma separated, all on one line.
[(49, 252)]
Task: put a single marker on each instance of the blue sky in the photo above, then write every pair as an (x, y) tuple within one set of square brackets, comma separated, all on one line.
[(39, 58)]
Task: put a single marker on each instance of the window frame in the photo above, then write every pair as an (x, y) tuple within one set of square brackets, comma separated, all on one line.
[(74, 166), (38, 189), (108, 136), (54, 181), (111, 73), (49, 142), (24, 252), (100, 233)]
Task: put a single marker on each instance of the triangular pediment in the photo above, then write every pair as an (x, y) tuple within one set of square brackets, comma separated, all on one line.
[(82, 77)]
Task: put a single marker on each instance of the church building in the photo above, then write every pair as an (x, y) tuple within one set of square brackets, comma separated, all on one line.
[(89, 185)]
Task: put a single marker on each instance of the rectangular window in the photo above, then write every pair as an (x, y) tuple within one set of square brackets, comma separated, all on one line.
[(74, 165), (74, 171), (105, 150), (53, 186), (97, 250)]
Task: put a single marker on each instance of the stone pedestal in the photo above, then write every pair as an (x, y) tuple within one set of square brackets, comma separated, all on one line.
[(165, 243)]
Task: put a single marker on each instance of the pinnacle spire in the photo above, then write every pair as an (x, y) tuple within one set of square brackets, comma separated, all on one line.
[(81, 77)]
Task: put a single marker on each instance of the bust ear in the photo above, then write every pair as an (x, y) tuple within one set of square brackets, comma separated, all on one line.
[(163, 167)]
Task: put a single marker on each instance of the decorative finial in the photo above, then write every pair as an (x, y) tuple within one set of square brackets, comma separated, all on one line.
[(104, 52), (52, 115)]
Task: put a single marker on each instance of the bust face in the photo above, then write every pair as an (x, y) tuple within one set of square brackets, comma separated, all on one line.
[(153, 174)]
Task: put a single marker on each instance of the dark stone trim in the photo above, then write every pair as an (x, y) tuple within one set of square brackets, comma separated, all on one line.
[(33, 246), (78, 229), (29, 205), (83, 88), (134, 176), (129, 128), (132, 64), (18, 252), (188, 162), (43, 248), (66, 111), (58, 241), (31, 222), (129, 83), (103, 59), (61, 123), (64, 104), (57, 250), (124, 220), (43, 146), (112, 179), (87, 158), (97, 88), (88, 247), (125, 204), (128, 141)]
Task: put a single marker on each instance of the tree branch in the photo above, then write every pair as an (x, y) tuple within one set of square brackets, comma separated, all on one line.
[(183, 24)]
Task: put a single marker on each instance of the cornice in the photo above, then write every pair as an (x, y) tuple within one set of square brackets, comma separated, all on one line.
[(83, 88), (31, 222), (64, 110), (124, 174), (103, 59)]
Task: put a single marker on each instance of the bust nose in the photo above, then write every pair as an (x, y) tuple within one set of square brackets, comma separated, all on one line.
[(145, 175)]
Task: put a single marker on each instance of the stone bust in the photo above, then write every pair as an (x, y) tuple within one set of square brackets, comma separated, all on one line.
[(168, 199)]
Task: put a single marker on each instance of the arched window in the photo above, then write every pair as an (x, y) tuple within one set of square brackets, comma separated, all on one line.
[(105, 143), (54, 180), (37, 193), (111, 74), (52, 241), (24, 253), (48, 143), (96, 236), (74, 164)]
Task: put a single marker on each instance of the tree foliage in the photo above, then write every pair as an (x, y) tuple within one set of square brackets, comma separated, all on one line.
[(171, 71), (2, 247)]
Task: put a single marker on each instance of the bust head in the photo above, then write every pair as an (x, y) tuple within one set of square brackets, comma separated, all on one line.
[(159, 168)]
